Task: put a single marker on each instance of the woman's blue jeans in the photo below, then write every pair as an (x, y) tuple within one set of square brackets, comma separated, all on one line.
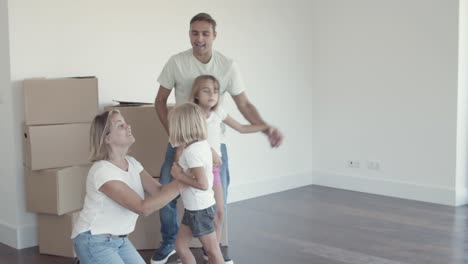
[(103, 249)]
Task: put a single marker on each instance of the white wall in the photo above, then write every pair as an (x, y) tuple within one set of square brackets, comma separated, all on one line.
[(462, 107), (5, 133), (385, 88), (17, 227), (125, 44)]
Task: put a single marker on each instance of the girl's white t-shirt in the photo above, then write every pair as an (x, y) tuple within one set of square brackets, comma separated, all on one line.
[(101, 214), (214, 129), (197, 154)]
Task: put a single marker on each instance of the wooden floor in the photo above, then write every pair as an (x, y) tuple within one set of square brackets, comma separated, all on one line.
[(319, 225)]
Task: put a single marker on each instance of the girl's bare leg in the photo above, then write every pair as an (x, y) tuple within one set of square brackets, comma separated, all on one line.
[(211, 246), (184, 236), (219, 218)]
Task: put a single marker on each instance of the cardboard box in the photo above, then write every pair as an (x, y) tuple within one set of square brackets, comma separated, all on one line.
[(147, 233), (60, 101), (54, 234), (56, 191), (150, 137), (56, 146)]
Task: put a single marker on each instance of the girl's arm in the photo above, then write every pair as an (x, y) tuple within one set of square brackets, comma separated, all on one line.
[(122, 194), (196, 179), (244, 128), (217, 161)]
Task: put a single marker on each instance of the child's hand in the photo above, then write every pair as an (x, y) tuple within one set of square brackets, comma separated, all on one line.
[(217, 161), (176, 171)]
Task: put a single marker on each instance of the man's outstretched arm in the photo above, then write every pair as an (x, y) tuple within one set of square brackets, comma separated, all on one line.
[(249, 111)]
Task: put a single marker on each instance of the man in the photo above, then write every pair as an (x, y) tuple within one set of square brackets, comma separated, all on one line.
[(179, 73)]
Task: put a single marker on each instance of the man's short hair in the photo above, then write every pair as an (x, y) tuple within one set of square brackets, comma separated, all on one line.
[(204, 17)]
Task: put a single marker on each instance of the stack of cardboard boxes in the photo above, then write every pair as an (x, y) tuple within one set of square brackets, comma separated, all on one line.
[(58, 113)]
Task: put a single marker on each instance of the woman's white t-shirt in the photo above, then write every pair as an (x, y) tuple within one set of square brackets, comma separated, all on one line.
[(101, 214), (196, 155)]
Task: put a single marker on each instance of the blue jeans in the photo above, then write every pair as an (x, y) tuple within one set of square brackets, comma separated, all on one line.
[(100, 249), (168, 214)]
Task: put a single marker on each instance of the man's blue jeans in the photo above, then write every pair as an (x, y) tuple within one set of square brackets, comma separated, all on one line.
[(168, 214)]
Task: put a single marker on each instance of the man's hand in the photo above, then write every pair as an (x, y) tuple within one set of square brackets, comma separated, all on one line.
[(250, 113), (274, 136)]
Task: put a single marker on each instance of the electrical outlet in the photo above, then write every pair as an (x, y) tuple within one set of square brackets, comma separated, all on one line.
[(374, 164), (353, 163)]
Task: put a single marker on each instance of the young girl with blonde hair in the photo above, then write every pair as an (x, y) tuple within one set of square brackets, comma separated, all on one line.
[(205, 93), (187, 129)]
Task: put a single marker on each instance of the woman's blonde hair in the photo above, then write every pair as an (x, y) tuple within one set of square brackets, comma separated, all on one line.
[(100, 128), (186, 124), (196, 89)]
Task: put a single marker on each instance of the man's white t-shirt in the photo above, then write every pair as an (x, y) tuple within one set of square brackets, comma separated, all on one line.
[(195, 155), (182, 69), (101, 214), (213, 126)]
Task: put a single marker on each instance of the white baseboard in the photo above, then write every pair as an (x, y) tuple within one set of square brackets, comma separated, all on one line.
[(268, 186), (461, 197), (424, 193), (27, 236), (18, 237), (8, 235)]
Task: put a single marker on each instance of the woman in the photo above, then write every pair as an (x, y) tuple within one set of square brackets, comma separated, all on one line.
[(115, 197)]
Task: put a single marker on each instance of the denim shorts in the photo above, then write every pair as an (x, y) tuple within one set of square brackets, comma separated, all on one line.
[(200, 222)]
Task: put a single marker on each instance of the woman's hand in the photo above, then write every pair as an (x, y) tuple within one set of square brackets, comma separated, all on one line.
[(179, 151), (181, 186), (176, 171)]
